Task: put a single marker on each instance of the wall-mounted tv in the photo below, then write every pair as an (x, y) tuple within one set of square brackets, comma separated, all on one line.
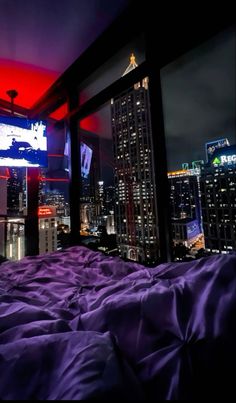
[(23, 142)]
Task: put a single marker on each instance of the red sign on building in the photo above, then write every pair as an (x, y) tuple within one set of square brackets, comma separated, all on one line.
[(46, 211)]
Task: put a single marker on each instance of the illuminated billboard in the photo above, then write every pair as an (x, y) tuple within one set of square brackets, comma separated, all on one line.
[(23, 142), (224, 159), (193, 229), (212, 146), (46, 211)]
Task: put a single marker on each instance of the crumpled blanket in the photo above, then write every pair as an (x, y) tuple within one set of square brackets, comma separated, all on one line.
[(78, 324)]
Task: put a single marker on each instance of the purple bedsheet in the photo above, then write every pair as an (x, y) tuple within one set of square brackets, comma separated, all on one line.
[(78, 324)]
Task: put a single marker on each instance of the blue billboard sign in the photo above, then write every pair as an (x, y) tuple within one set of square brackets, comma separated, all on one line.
[(212, 146), (193, 229)]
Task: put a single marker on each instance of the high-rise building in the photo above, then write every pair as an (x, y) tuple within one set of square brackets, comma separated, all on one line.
[(135, 196), (15, 192), (218, 200), (48, 223), (42, 187), (110, 224), (109, 202), (15, 238), (101, 197), (3, 210), (56, 199), (185, 206)]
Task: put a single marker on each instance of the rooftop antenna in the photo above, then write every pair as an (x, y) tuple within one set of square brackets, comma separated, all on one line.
[(12, 94)]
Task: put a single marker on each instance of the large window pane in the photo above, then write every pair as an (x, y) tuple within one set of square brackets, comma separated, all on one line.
[(199, 110)]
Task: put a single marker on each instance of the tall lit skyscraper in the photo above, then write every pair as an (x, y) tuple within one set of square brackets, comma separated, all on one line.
[(15, 203), (101, 196), (3, 209), (135, 205), (109, 199), (56, 199), (48, 222), (218, 199)]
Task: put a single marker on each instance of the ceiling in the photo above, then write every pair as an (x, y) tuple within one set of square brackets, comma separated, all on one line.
[(39, 39)]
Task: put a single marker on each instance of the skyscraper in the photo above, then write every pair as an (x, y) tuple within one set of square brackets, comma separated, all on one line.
[(3, 209), (218, 199), (101, 196), (135, 200), (15, 203), (48, 222), (185, 206)]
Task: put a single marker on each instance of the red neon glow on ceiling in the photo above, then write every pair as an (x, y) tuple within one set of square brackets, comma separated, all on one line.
[(60, 113), (92, 124), (29, 81)]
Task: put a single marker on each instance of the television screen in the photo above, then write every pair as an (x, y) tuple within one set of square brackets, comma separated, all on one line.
[(86, 158), (23, 142)]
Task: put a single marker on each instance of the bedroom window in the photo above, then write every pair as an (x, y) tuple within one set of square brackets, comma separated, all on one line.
[(113, 101), (201, 144)]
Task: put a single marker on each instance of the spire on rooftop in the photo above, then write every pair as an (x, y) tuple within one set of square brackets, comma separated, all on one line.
[(132, 64)]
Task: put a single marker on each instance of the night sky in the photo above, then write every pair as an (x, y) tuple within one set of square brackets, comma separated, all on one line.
[(198, 99)]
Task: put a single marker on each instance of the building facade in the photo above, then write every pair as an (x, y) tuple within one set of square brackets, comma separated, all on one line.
[(15, 238), (3, 210), (135, 195), (48, 223), (185, 206), (218, 199), (15, 191)]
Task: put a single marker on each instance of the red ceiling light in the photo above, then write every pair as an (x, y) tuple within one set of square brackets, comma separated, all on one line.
[(59, 113), (29, 81), (92, 124)]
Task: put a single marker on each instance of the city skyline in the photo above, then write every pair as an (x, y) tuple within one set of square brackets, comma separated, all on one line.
[(190, 102), (199, 99)]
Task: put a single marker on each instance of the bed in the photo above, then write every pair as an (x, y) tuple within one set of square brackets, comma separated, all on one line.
[(78, 324)]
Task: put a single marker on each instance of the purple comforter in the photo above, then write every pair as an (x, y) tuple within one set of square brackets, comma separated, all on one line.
[(78, 325)]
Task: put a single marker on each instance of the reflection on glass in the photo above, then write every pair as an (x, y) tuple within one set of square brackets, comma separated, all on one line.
[(54, 212)]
